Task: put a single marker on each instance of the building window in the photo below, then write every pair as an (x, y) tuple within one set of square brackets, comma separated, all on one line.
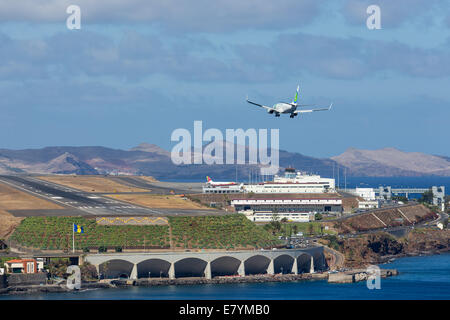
[(30, 267)]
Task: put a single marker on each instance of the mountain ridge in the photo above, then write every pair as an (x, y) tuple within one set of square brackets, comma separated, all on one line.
[(150, 159), (390, 161)]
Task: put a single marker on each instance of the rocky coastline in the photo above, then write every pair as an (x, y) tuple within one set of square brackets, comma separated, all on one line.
[(361, 255), (391, 258), (380, 248), (59, 288)]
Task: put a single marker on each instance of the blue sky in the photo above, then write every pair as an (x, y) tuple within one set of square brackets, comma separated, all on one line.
[(139, 69)]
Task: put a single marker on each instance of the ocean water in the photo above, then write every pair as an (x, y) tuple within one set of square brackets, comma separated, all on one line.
[(423, 277), (375, 182), (395, 182)]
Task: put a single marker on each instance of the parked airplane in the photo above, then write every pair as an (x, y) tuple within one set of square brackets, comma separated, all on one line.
[(286, 107), (214, 183)]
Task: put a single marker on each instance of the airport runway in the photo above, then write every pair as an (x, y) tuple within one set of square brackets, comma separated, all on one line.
[(160, 187), (85, 202)]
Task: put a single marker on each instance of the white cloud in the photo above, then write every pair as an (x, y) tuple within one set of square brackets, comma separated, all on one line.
[(194, 15), (393, 12), (135, 56), (345, 58)]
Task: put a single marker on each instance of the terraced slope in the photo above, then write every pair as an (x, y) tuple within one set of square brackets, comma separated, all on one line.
[(55, 233), (222, 232), (205, 232), (389, 217)]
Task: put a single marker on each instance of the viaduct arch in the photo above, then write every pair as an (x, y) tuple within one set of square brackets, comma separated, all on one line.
[(207, 264)]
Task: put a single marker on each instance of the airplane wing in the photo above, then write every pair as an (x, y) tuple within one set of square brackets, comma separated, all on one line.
[(260, 105), (312, 110)]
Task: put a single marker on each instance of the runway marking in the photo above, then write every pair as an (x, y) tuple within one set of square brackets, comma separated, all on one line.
[(14, 185), (75, 204)]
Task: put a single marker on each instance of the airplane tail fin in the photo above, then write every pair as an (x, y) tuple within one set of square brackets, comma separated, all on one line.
[(296, 94), (208, 179)]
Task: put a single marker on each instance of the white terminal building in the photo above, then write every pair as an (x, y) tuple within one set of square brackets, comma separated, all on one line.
[(290, 182), (226, 188), (370, 199), (293, 182), (365, 193), (296, 210)]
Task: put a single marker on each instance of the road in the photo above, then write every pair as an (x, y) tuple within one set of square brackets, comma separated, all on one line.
[(84, 203), (351, 215), (400, 230), (339, 258)]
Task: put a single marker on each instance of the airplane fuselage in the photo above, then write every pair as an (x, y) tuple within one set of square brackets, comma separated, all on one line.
[(284, 107), (281, 107), (290, 108), (216, 184)]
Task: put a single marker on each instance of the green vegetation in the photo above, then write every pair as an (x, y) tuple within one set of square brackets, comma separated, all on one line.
[(223, 232), (310, 229), (427, 197), (55, 233), (57, 267), (403, 199), (334, 242), (4, 259), (205, 232), (419, 230), (273, 226), (307, 228), (88, 272)]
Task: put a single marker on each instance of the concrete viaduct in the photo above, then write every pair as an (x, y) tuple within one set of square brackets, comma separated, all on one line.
[(207, 264)]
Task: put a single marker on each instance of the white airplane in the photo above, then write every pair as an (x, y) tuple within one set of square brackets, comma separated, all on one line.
[(291, 108), (215, 183)]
